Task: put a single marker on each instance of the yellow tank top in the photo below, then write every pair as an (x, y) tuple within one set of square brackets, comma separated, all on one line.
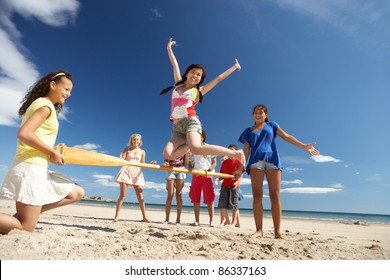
[(46, 132)]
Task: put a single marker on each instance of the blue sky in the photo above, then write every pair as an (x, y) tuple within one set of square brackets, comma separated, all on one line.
[(321, 67)]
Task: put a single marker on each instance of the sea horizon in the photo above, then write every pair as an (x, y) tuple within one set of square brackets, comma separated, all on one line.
[(344, 217)]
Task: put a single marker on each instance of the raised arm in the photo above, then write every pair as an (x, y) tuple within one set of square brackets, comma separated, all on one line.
[(292, 140), (172, 58), (209, 86)]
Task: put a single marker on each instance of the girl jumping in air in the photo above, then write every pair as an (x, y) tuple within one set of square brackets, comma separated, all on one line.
[(187, 129)]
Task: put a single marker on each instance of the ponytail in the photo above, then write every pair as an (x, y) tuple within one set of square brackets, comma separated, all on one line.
[(200, 94), (184, 79), (165, 90)]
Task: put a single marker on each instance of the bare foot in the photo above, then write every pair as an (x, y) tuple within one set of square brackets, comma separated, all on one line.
[(146, 220), (257, 234), (225, 223), (279, 235), (116, 219), (194, 224)]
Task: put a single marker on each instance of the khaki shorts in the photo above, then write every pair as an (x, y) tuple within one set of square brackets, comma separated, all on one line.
[(185, 125)]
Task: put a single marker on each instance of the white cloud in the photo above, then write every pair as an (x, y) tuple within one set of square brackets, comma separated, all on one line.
[(17, 72), (364, 21), (156, 13), (105, 180), (154, 186), (337, 186), (292, 169), (245, 181), (322, 158), (88, 146), (250, 196), (295, 160), (310, 190), (293, 182), (106, 183), (64, 113), (345, 15), (102, 176), (375, 177), (51, 12)]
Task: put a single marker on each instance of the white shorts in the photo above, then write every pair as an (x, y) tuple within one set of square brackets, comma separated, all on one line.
[(34, 184)]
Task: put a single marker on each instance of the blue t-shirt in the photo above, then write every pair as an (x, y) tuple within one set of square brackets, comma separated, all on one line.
[(262, 144)]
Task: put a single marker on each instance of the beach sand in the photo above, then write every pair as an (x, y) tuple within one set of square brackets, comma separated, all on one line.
[(88, 232)]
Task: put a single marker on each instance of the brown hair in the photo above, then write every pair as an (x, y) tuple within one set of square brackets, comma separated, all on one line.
[(184, 79), (262, 107), (41, 89)]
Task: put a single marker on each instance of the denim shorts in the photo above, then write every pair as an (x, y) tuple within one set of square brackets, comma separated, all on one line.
[(185, 125), (176, 175), (263, 165)]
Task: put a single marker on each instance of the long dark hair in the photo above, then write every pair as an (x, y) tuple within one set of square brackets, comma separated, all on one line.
[(41, 89), (262, 107), (184, 79), (204, 136)]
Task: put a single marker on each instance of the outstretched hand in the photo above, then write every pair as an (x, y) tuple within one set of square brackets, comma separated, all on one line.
[(237, 65), (171, 43), (311, 150)]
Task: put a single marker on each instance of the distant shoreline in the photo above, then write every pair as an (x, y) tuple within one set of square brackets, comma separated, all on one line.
[(342, 217), (348, 218)]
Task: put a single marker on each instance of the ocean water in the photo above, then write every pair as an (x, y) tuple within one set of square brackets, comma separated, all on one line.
[(287, 214)]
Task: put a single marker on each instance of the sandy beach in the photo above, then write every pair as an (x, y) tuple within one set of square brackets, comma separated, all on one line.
[(88, 232)]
